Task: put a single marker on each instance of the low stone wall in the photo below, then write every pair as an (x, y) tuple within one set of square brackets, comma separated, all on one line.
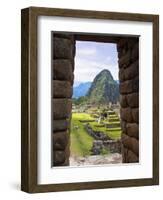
[(63, 67), (102, 141), (112, 146), (97, 135), (128, 53)]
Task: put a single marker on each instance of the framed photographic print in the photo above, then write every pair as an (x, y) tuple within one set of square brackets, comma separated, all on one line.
[(90, 99)]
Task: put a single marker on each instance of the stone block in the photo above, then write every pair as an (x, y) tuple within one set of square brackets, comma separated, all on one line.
[(62, 69), (60, 140), (121, 43), (64, 36), (62, 48), (124, 154), (124, 61), (135, 52), (135, 115), (132, 157), (133, 100), (62, 89), (126, 114), (132, 41), (59, 157), (122, 51), (130, 143), (133, 130), (123, 101), (121, 74), (129, 86), (131, 71), (123, 126), (61, 108), (60, 125)]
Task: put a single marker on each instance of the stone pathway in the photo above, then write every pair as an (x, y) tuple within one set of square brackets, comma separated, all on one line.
[(114, 158)]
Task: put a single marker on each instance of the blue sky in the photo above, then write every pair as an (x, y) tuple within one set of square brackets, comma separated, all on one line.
[(93, 57)]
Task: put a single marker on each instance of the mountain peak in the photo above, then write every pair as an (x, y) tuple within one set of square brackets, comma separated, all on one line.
[(104, 88)]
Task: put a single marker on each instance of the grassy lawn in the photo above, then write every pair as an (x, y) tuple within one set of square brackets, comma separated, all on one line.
[(81, 142), (115, 135)]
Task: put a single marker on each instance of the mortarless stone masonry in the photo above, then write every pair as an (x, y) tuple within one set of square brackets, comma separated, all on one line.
[(63, 66), (128, 53)]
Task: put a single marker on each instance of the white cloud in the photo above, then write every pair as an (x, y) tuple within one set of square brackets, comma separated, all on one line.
[(86, 52), (86, 70), (91, 58)]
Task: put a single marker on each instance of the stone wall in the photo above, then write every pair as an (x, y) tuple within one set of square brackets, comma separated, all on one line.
[(62, 70), (128, 53)]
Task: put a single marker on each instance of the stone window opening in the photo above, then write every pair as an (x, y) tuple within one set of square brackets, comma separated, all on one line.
[(63, 53)]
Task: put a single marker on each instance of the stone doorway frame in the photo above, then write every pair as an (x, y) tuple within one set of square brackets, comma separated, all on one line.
[(63, 76)]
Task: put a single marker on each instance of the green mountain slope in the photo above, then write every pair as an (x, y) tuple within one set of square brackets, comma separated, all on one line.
[(104, 89)]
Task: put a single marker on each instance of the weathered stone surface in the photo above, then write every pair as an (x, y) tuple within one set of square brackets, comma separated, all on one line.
[(61, 108), (122, 51), (130, 143), (123, 101), (124, 154), (63, 48), (123, 126), (64, 35), (60, 125), (133, 100), (66, 162), (62, 89), (133, 130), (131, 71), (132, 157), (125, 87), (135, 52), (121, 74), (72, 80), (67, 155), (62, 69), (131, 42), (124, 61), (129, 86), (60, 140), (126, 114), (135, 115), (59, 157), (121, 43)]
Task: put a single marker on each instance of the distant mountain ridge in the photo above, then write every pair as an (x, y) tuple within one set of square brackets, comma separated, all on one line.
[(103, 89), (81, 89)]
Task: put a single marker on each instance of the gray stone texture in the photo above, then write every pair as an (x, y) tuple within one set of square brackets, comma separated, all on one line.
[(63, 48), (62, 108), (132, 129), (62, 89), (60, 140), (60, 125), (63, 67), (128, 54)]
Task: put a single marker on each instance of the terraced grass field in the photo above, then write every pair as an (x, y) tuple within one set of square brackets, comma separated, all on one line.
[(81, 141)]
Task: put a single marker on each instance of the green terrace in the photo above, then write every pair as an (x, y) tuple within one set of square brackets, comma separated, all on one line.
[(81, 141)]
